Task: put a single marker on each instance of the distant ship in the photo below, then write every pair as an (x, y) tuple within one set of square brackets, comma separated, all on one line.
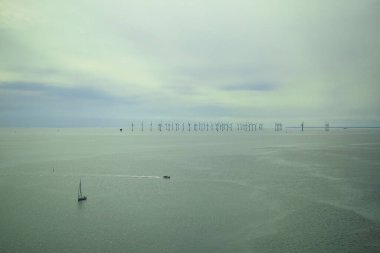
[(166, 177), (80, 196)]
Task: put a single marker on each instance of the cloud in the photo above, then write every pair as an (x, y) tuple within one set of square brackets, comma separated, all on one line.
[(62, 93), (251, 87), (21, 103)]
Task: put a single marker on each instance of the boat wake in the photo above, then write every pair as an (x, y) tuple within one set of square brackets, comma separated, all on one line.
[(122, 175)]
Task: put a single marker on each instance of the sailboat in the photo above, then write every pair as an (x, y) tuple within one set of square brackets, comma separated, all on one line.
[(80, 196)]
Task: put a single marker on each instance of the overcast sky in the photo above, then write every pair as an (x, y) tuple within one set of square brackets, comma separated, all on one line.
[(104, 63)]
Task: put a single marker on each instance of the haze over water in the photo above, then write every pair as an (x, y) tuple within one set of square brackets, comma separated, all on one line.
[(262, 191)]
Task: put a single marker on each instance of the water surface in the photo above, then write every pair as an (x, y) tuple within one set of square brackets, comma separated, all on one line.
[(233, 192)]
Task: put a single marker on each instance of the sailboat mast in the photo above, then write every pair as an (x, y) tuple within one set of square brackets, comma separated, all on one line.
[(80, 189)]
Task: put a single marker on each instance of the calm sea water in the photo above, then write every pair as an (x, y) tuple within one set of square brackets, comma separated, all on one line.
[(254, 192)]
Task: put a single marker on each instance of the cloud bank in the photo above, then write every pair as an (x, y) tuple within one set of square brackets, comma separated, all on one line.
[(115, 61)]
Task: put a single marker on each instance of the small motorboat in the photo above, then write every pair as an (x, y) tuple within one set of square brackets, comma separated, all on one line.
[(166, 177)]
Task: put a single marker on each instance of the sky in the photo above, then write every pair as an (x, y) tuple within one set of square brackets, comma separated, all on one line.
[(98, 63)]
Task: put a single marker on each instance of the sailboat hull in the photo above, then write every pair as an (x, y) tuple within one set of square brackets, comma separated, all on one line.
[(82, 198)]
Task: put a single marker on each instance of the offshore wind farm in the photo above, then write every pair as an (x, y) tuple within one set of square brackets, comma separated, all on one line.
[(195, 126), (223, 126), (217, 126)]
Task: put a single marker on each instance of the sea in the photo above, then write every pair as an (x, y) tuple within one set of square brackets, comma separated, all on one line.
[(240, 192)]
